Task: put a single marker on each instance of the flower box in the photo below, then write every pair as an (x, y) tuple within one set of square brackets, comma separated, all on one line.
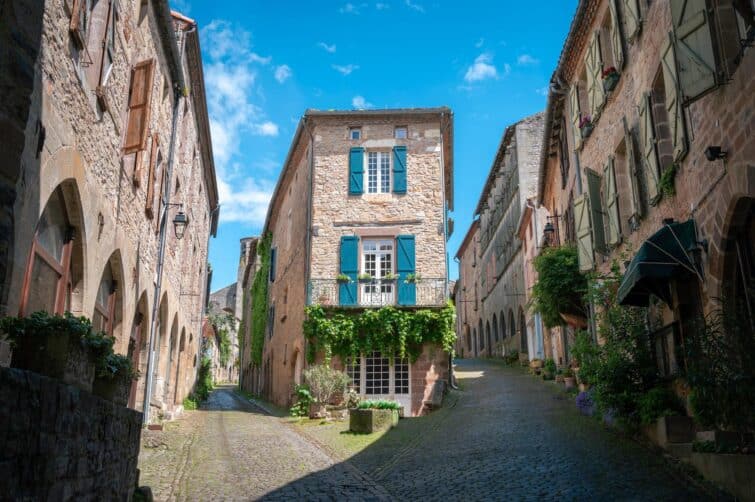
[(369, 420), (586, 130), (59, 355)]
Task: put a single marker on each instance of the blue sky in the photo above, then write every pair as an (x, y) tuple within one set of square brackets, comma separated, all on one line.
[(266, 62)]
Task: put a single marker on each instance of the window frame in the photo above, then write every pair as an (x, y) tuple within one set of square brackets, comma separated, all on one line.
[(353, 130), (401, 128), (395, 381), (381, 177), (386, 292), (107, 312)]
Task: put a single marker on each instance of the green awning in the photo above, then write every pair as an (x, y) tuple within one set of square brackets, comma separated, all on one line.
[(661, 258)]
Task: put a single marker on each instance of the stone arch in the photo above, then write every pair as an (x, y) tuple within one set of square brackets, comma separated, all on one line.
[(178, 387), (137, 347), (107, 310), (738, 261), (59, 238), (487, 336), (495, 328), (172, 348), (469, 341), (158, 351), (480, 337), (512, 324), (523, 332), (474, 342)]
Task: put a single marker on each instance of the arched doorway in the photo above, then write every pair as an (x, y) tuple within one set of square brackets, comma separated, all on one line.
[(158, 383), (512, 324), (54, 270), (469, 341), (481, 340), (523, 331), (137, 345), (171, 359), (474, 342), (495, 331), (487, 335), (178, 391), (108, 302)]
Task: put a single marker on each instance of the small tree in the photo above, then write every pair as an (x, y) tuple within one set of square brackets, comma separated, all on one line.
[(325, 382)]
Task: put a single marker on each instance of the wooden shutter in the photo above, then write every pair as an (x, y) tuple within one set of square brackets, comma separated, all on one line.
[(634, 171), (405, 264), (596, 210), (584, 233), (139, 99), (695, 57), (79, 25), (356, 170), (347, 291), (399, 169), (613, 225), (574, 114), (647, 148), (632, 19), (594, 69), (151, 174), (617, 47), (673, 103)]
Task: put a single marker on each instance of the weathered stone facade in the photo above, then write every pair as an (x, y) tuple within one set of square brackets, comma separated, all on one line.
[(73, 151), (248, 266), (313, 207), (222, 309), (530, 233), (467, 293), (501, 324), (62, 443), (667, 108)]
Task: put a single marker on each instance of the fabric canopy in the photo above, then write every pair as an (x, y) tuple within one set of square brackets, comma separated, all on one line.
[(661, 258)]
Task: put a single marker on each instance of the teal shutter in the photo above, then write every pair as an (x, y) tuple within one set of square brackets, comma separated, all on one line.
[(399, 169), (407, 292), (356, 170), (347, 291), (273, 257)]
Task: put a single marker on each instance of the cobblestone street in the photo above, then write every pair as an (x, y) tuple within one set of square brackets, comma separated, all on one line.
[(504, 436)]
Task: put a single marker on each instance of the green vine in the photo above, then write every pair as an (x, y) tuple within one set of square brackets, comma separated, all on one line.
[(559, 286), (260, 300), (391, 331), (666, 183)]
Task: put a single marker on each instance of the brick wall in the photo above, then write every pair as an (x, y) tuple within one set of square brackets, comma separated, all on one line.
[(61, 443)]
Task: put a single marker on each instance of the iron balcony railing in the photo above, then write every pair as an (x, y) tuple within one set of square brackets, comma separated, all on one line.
[(377, 293)]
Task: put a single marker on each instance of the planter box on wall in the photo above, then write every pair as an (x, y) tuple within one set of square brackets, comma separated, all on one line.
[(368, 421), (732, 472), (60, 356)]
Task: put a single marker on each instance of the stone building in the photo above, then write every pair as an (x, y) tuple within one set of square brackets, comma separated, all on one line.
[(224, 319), (664, 159), (467, 297), (106, 140), (530, 233), (248, 267), (502, 327), (361, 192)]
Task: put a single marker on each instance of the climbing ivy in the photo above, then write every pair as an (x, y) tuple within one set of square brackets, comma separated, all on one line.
[(391, 331), (559, 286), (259, 299)]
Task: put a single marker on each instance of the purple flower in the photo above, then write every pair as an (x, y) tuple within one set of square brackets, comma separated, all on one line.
[(585, 404)]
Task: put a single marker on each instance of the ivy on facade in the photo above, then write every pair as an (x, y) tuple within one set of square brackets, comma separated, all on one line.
[(391, 331), (260, 299)]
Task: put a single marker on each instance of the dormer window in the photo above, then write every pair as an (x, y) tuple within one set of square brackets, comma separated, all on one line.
[(400, 132), (355, 133)]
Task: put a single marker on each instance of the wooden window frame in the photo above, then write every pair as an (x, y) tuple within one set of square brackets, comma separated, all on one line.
[(62, 267), (108, 311), (147, 105)]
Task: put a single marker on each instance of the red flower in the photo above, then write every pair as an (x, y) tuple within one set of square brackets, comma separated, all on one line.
[(584, 120), (609, 71)]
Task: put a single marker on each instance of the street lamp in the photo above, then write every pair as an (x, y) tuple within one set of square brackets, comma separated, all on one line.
[(549, 230), (179, 224)]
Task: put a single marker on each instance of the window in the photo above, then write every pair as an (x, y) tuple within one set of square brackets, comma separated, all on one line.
[(108, 48), (139, 101), (401, 376), (355, 133), (104, 303), (377, 377), (354, 371), (400, 132), (47, 284), (79, 26), (377, 261), (378, 172)]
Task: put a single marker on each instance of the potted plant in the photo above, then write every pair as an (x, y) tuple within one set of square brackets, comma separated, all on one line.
[(610, 78), (60, 347), (365, 278), (412, 278), (324, 382), (113, 378), (343, 278), (585, 126), (560, 376), (389, 277), (549, 369), (373, 416), (569, 381)]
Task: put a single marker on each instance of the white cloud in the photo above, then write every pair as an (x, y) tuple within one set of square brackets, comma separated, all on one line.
[(345, 69), (526, 59), (350, 8), (360, 103), (543, 91), (233, 92), (283, 73), (506, 69), (326, 47), (479, 42), (481, 69), (415, 6), (266, 128), (381, 6)]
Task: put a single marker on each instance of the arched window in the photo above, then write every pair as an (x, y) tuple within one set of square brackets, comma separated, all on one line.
[(503, 326), (523, 329), (47, 283), (512, 323), (495, 327), (104, 304)]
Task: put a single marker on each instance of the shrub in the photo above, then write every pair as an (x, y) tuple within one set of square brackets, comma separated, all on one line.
[(352, 399), (586, 356), (560, 285), (550, 366), (324, 382), (303, 400), (204, 380), (657, 402), (512, 357), (381, 404), (115, 365), (190, 403)]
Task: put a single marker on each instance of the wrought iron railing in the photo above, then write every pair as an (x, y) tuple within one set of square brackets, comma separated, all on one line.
[(378, 293)]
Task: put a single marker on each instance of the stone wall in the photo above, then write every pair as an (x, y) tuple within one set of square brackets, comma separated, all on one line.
[(467, 298), (61, 443)]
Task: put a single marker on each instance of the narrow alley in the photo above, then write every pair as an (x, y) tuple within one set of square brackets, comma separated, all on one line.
[(526, 442)]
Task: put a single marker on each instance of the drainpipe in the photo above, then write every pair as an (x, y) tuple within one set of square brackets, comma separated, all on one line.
[(178, 93)]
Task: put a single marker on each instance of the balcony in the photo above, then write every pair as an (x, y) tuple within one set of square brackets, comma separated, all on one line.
[(379, 293)]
